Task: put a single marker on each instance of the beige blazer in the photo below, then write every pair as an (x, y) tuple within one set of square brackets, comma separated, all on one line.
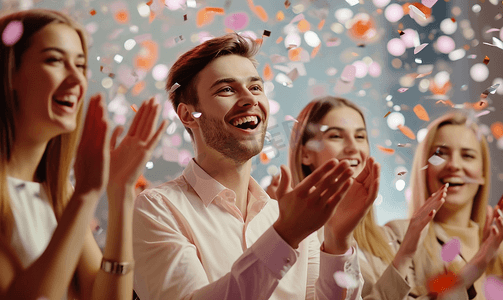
[(421, 262)]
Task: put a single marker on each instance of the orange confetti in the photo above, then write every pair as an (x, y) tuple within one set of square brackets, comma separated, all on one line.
[(294, 54), (151, 17), (401, 32), (407, 132), (386, 150), (138, 88), (217, 10), (92, 12), (150, 2), (421, 113), (261, 13), (497, 129), (268, 74), (148, 60), (264, 159), (134, 107), (387, 114), (122, 16), (203, 17), (141, 182), (303, 25), (279, 40), (280, 16), (259, 41), (442, 282), (453, 20), (321, 24), (486, 59), (315, 51)]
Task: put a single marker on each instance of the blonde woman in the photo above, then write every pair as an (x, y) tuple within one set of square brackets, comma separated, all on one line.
[(47, 250), (464, 162), (330, 127)]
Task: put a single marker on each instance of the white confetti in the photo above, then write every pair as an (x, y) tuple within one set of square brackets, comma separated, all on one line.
[(420, 47), (345, 280), (436, 160)]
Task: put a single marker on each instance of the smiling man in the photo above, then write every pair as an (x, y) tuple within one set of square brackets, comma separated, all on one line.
[(213, 232)]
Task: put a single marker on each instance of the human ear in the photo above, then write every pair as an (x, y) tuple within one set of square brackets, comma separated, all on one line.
[(184, 112), (307, 156)]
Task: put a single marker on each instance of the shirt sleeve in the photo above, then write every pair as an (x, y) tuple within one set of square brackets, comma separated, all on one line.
[(167, 264), (326, 286), (390, 286), (313, 265)]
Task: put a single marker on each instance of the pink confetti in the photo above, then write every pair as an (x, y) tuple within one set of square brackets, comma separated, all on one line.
[(402, 90), (436, 160), (290, 118), (493, 288), (12, 33), (492, 30), (174, 87), (348, 74), (237, 21), (450, 250), (420, 47), (428, 3), (314, 145), (297, 18), (345, 280)]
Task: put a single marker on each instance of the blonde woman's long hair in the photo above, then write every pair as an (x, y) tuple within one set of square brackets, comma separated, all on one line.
[(54, 168), (420, 192), (368, 234)]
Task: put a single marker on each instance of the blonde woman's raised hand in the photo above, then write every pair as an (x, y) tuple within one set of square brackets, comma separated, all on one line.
[(417, 229), (93, 154), (129, 157), (354, 206), (304, 209)]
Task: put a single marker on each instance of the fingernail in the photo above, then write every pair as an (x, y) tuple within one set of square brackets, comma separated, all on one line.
[(499, 212)]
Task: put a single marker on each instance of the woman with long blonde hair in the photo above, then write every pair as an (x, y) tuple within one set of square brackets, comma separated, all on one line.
[(454, 151), (47, 250), (331, 127)]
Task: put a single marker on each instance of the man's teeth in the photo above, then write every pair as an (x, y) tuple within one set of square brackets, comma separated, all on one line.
[(239, 121)]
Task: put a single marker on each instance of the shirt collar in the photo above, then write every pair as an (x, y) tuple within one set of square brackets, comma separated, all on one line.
[(207, 188)]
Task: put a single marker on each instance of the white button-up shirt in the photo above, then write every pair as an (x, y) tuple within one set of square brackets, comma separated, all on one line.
[(191, 242)]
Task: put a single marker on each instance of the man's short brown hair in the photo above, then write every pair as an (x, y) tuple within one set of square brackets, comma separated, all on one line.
[(185, 70)]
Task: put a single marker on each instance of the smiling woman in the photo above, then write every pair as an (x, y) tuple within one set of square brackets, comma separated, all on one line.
[(45, 234), (461, 160)]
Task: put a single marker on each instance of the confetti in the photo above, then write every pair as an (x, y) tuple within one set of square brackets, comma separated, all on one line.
[(416, 11), (407, 132), (387, 114), (134, 107), (401, 32), (403, 90), (436, 160), (424, 168), (428, 3), (491, 90), (92, 12), (314, 145), (237, 21), (472, 56), (196, 114), (348, 74), (401, 173), (407, 145), (352, 2), (385, 150), (418, 49), (150, 2), (287, 4), (493, 288), (268, 136), (12, 33), (450, 250), (290, 118), (492, 30), (497, 130), (486, 59), (293, 74), (324, 128), (442, 282), (496, 43), (122, 16), (174, 87), (264, 159), (482, 113), (421, 113), (345, 280), (266, 33), (185, 17)]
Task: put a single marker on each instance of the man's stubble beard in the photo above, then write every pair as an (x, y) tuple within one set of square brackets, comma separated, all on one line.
[(226, 144)]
